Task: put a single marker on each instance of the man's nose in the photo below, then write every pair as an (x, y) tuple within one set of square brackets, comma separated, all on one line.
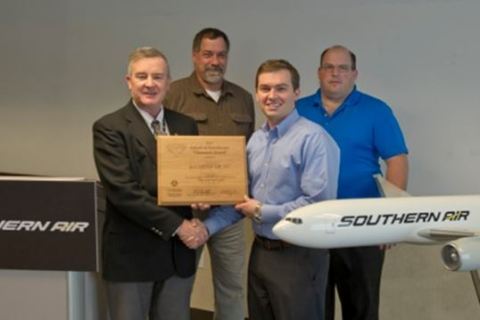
[(272, 93), (335, 70), (215, 60), (149, 81)]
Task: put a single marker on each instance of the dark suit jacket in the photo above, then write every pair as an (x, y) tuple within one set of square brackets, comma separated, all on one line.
[(137, 235)]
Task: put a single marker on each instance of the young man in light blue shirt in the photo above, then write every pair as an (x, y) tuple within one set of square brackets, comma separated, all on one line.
[(292, 162)]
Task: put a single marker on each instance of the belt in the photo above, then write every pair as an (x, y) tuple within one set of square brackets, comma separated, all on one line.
[(269, 244)]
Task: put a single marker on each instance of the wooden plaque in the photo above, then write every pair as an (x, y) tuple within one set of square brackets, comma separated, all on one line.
[(201, 169)]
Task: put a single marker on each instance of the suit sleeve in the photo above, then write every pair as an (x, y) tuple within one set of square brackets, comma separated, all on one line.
[(125, 190)]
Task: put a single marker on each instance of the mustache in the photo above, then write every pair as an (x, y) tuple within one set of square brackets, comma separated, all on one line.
[(215, 69)]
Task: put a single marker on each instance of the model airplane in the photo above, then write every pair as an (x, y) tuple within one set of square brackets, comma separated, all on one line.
[(394, 219)]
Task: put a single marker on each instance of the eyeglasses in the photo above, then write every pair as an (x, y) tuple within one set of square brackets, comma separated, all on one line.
[(342, 68)]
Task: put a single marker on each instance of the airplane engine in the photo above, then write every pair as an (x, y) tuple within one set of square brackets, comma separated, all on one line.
[(462, 254)]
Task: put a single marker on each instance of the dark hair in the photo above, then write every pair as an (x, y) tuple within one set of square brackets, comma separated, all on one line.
[(353, 58), (276, 65), (209, 33)]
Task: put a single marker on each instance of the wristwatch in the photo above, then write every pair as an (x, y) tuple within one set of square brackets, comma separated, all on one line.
[(257, 213)]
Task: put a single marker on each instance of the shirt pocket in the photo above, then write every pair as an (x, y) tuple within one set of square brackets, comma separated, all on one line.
[(198, 117), (241, 118), (242, 124)]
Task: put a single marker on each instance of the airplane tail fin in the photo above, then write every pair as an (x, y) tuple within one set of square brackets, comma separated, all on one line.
[(387, 189)]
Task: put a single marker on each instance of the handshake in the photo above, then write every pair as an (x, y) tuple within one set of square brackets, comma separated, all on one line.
[(193, 233)]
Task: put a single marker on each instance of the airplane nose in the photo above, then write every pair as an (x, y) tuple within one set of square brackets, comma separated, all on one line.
[(315, 232), (280, 229)]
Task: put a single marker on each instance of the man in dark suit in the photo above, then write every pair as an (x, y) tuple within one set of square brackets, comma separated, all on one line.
[(147, 260)]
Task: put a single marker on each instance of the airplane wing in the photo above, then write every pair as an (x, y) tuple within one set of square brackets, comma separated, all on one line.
[(387, 189), (445, 234)]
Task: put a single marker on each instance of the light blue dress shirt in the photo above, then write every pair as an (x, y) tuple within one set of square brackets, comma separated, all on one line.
[(294, 164)]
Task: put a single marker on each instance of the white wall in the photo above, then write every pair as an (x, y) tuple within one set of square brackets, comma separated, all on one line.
[(63, 62)]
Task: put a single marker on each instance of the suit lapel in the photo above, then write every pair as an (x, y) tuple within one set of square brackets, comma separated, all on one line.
[(171, 123), (138, 128)]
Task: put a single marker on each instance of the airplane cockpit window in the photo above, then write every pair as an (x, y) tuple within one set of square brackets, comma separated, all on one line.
[(294, 220)]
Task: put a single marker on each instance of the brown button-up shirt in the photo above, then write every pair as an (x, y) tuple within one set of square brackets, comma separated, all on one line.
[(233, 114)]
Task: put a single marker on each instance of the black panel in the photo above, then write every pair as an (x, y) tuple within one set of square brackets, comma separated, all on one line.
[(48, 225)]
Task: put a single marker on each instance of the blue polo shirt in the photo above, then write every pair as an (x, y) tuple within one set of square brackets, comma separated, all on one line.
[(366, 130)]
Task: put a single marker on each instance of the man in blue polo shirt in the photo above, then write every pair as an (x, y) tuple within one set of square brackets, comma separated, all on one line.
[(366, 130)]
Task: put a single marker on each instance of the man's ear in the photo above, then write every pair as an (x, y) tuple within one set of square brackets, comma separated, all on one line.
[(297, 93), (128, 79)]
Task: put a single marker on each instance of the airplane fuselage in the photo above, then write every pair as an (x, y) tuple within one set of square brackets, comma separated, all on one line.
[(363, 222)]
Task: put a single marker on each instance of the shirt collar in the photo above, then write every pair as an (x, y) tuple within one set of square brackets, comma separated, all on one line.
[(282, 128), (147, 116), (351, 99), (199, 90)]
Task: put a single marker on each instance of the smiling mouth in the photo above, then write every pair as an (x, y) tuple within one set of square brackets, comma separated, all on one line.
[(273, 107), (150, 94)]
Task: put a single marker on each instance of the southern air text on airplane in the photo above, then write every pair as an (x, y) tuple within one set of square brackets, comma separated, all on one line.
[(402, 218)]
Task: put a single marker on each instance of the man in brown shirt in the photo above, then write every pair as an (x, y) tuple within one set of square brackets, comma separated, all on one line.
[(219, 108)]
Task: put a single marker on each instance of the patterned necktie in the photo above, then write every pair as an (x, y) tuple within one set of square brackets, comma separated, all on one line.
[(158, 128)]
